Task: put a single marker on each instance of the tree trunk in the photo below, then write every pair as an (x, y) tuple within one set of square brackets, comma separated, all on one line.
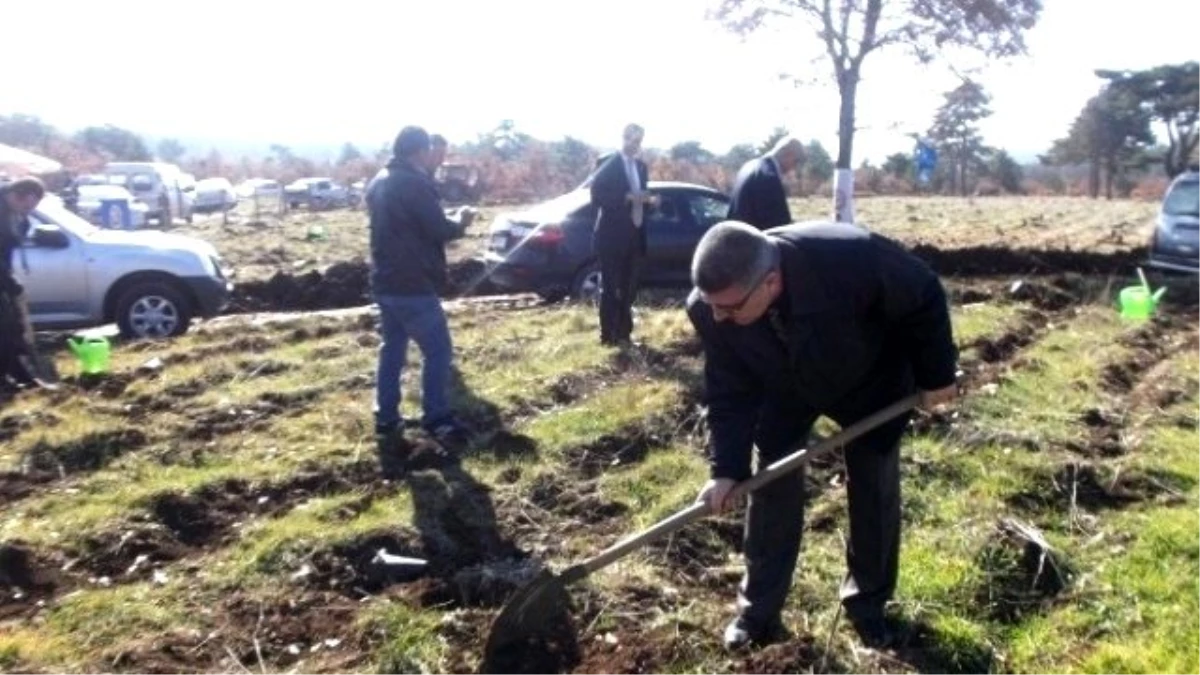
[(1094, 178), (843, 184), (1109, 170), (1169, 163)]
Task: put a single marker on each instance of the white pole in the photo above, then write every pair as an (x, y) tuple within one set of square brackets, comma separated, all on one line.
[(843, 196)]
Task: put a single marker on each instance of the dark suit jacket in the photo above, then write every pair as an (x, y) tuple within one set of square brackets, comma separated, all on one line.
[(13, 232), (861, 322), (615, 231), (758, 195)]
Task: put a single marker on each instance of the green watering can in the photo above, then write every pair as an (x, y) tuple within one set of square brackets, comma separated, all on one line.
[(92, 352), (1138, 303)]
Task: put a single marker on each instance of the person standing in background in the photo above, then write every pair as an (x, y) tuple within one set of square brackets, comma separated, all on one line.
[(619, 192), (759, 196)]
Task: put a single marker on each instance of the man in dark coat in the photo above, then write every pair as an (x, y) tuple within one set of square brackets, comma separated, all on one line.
[(801, 321), (619, 191), (409, 232), (759, 197), (17, 356)]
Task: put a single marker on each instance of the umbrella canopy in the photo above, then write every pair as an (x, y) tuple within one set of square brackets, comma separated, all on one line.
[(17, 162)]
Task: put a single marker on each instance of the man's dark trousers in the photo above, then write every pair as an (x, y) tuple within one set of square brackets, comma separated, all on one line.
[(619, 262), (17, 351), (775, 518)]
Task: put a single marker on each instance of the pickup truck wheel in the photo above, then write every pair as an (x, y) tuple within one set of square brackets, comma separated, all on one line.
[(153, 309)]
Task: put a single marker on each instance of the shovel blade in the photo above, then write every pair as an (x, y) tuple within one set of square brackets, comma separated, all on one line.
[(528, 612)]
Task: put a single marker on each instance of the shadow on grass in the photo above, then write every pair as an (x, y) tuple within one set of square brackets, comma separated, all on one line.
[(928, 650)]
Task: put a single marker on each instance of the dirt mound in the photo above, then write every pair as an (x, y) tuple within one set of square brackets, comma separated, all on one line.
[(1150, 344), (1059, 294), (341, 285), (1085, 486), (994, 260), (86, 453), (207, 516), (209, 423), (16, 423), (356, 568), (345, 284), (1002, 348), (611, 450), (260, 633), (1021, 573), (697, 549), (799, 655), (25, 578), (571, 499), (555, 651)]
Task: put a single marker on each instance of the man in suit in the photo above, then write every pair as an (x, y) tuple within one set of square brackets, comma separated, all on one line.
[(619, 191), (759, 198), (800, 321)]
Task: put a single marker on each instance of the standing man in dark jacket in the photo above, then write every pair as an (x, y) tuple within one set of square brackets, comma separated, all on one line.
[(801, 321), (619, 191), (17, 355), (409, 232), (759, 197)]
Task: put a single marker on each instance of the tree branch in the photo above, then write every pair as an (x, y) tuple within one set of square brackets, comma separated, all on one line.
[(870, 23), (839, 64)]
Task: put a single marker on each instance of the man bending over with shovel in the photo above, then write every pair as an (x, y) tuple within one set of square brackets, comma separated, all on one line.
[(796, 322)]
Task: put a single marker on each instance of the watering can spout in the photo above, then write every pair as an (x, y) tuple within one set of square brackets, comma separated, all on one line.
[(75, 344), (1159, 293)]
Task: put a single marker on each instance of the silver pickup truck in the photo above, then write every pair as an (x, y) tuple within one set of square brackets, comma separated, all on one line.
[(152, 284)]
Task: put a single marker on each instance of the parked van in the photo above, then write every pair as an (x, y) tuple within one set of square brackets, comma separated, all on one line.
[(165, 188)]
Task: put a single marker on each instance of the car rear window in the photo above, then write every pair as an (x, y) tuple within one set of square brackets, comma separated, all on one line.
[(1183, 199)]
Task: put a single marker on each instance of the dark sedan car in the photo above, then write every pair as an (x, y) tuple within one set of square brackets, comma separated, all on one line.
[(1176, 241), (547, 249)]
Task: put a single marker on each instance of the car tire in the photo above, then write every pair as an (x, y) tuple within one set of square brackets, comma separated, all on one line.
[(586, 285), (153, 309)]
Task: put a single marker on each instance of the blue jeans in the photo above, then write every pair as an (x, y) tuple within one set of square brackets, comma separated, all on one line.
[(421, 318)]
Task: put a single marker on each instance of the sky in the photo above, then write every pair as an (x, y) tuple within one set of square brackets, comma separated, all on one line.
[(257, 72)]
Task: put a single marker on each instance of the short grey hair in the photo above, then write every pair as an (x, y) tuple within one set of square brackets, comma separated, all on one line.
[(730, 254)]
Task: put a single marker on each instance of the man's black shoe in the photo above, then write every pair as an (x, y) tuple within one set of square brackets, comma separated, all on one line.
[(873, 631), (742, 633)]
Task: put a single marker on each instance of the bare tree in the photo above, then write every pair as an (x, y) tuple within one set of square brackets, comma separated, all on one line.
[(849, 30)]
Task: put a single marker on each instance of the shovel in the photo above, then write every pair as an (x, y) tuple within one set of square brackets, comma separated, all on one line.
[(545, 597)]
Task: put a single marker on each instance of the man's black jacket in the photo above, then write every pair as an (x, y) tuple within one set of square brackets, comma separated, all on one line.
[(758, 196), (409, 231), (864, 321), (12, 234)]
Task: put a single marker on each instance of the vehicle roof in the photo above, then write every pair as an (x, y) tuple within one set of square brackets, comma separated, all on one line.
[(678, 185)]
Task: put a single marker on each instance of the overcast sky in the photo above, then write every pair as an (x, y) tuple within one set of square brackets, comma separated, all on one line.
[(266, 72)]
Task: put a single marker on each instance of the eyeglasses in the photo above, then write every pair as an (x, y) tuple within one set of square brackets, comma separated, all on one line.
[(741, 304)]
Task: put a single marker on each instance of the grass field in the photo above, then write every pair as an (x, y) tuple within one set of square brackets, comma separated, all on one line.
[(220, 509), (260, 248)]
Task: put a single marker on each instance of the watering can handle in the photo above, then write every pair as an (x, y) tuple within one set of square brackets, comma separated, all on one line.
[(700, 509)]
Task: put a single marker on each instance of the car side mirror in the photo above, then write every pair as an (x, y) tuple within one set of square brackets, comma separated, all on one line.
[(50, 238)]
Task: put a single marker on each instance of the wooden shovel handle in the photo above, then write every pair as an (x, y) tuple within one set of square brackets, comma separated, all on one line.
[(700, 509)]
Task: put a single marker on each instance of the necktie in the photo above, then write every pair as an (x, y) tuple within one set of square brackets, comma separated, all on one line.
[(636, 188)]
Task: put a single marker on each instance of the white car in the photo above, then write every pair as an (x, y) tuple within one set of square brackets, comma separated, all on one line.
[(214, 195), (260, 187), (165, 188), (151, 283), (105, 205)]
